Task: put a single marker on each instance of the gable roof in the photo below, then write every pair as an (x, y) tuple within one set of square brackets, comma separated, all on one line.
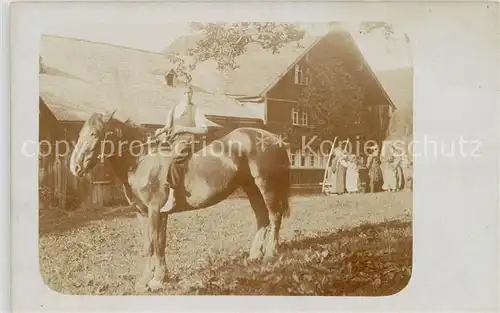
[(257, 68), (87, 77), (75, 100), (97, 62), (260, 70)]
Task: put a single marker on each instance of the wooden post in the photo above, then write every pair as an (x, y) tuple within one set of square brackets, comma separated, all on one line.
[(328, 165)]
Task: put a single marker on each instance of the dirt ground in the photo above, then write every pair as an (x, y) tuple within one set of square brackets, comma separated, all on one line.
[(331, 245)]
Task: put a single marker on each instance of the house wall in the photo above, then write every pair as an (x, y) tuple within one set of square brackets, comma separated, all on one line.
[(286, 88), (282, 99)]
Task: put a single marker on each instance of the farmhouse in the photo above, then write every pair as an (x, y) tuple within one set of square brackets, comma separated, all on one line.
[(78, 78), (273, 83)]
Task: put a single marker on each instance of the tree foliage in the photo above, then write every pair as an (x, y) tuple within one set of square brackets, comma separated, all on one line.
[(370, 27), (223, 42), (334, 95)]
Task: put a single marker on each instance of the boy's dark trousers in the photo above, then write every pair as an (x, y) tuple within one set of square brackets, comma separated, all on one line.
[(177, 171)]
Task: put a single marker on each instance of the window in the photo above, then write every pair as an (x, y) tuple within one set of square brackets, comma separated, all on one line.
[(295, 116), (293, 155), (170, 78), (303, 118), (312, 160), (306, 159), (302, 160), (299, 117), (301, 75), (321, 160)]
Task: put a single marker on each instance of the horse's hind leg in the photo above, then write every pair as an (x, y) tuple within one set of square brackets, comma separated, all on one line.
[(271, 233), (262, 218), (272, 241)]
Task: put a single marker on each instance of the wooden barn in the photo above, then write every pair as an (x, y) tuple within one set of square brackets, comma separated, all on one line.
[(272, 83)]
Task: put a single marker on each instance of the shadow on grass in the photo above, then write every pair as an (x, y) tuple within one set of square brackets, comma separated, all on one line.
[(53, 220), (362, 230), (368, 260)]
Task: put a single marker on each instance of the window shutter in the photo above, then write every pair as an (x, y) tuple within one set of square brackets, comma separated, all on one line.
[(297, 69)]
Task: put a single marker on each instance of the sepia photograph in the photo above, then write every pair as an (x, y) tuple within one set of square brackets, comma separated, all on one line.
[(252, 157), (245, 158)]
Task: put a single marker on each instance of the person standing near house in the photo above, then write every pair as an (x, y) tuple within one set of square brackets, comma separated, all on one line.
[(389, 174), (400, 177), (374, 172), (352, 175), (184, 121), (341, 169)]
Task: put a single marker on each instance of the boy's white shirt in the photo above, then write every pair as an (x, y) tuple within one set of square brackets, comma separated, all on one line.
[(199, 118)]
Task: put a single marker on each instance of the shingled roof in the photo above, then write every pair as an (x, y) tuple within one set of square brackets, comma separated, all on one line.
[(257, 68), (85, 77)]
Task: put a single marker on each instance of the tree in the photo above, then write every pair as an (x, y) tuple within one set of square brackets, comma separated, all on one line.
[(224, 42), (334, 94), (369, 27)]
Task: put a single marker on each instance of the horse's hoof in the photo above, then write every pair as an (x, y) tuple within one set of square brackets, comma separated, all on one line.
[(141, 287), (155, 285), (251, 261), (255, 257), (268, 259)]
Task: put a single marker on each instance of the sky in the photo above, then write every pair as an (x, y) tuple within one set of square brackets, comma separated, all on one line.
[(381, 54)]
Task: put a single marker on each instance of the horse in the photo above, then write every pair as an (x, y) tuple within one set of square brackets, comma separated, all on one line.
[(252, 159)]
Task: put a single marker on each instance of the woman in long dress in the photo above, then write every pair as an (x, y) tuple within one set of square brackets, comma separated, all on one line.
[(407, 168), (389, 173), (400, 177), (374, 172), (352, 175), (341, 174)]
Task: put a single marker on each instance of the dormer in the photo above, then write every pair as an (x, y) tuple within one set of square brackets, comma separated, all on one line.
[(171, 78)]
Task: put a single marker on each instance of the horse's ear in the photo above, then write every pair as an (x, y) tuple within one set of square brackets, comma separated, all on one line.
[(108, 116)]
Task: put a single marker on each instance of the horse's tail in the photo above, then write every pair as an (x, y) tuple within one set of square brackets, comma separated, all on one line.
[(282, 180)]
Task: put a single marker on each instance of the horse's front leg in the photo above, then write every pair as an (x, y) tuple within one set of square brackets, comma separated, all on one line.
[(146, 254), (158, 225)]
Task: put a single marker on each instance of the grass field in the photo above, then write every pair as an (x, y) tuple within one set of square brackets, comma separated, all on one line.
[(338, 245)]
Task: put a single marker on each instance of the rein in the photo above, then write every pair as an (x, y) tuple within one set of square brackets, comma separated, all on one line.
[(150, 140)]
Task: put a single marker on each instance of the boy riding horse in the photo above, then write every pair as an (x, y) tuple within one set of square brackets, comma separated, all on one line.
[(184, 121)]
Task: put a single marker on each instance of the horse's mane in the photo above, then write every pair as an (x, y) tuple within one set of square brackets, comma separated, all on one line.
[(132, 124), (132, 129)]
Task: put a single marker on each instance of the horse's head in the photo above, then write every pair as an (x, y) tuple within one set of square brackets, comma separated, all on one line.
[(88, 147)]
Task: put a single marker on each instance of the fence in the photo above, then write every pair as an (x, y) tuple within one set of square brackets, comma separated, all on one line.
[(59, 188)]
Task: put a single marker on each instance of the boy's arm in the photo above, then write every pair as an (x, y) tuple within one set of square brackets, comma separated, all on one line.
[(168, 124)]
